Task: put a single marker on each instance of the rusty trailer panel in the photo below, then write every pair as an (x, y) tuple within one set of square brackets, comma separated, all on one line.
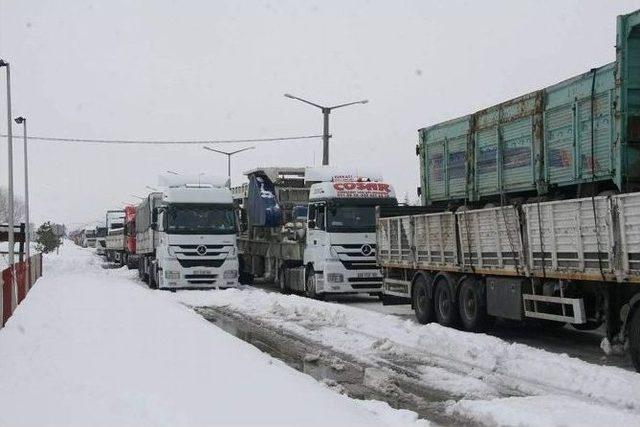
[(582, 130), (627, 207), (490, 238), (572, 236), (418, 241)]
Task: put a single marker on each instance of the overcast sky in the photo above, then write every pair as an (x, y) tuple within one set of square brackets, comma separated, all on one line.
[(205, 69)]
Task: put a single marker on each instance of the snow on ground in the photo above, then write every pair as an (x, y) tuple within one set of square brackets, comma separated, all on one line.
[(554, 388), (91, 346)]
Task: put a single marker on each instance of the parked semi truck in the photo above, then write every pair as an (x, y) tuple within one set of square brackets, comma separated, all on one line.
[(89, 240), (101, 239), (130, 254), (114, 219), (312, 230), (531, 209), (186, 234)]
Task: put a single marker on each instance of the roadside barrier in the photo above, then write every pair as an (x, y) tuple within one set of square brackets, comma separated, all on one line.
[(27, 272)]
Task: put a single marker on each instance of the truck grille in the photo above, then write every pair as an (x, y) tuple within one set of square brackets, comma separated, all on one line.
[(188, 263), (359, 265), (367, 286)]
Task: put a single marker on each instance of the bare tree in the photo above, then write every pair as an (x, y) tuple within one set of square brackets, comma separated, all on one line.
[(18, 207)]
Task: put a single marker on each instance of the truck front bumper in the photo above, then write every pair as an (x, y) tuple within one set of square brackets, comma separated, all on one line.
[(336, 279), (174, 276)]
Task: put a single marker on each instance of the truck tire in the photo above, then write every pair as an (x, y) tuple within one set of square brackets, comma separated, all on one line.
[(445, 304), (142, 270), (282, 282), (422, 301), (310, 288), (472, 306), (153, 276), (634, 339)]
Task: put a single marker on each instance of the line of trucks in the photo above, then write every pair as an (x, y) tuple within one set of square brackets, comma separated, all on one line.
[(530, 210)]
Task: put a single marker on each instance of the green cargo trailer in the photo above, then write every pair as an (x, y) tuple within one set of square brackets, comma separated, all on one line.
[(577, 137)]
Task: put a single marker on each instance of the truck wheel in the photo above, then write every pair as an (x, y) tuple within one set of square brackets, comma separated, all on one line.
[(473, 310), (153, 276), (282, 281), (142, 270), (444, 303), (310, 288), (422, 302), (634, 339)]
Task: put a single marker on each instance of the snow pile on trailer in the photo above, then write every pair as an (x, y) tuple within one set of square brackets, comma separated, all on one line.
[(476, 365), (90, 346)]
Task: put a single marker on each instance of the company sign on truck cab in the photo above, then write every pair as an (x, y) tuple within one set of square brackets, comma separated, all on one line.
[(341, 233)]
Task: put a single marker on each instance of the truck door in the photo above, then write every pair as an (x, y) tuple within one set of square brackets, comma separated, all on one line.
[(316, 235)]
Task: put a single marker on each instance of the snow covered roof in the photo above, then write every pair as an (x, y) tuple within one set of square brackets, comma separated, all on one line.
[(334, 174), (193, 180)]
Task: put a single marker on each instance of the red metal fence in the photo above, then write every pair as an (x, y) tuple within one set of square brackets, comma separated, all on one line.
[(27, 272)]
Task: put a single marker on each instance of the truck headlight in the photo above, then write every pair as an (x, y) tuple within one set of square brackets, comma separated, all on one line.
[(230, 274), (171, 275), (335, 277)]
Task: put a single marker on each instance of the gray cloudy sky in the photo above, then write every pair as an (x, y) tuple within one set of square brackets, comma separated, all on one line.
[(163, 69)]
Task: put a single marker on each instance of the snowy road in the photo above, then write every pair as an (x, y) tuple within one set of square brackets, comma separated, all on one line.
[(584, 345), (486, 380), (93, 347)]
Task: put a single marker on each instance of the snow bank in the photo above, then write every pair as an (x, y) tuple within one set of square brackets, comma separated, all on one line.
[(521, 369), (542, 411), (90, 346)]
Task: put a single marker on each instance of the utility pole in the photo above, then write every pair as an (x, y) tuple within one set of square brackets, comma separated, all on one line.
[(27, 225), (325, 116), (229, 154), (10, 212)]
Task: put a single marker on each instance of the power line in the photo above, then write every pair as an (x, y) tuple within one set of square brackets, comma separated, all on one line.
[(166, 142)]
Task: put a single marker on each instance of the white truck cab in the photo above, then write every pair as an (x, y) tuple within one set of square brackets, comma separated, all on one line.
[(340, 250), (101, 239), (312, 230), (193, 228)]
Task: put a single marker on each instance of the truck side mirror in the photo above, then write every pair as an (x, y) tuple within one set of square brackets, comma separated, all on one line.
[(419, 191), (154, 226), (311, 223), (243, 226)]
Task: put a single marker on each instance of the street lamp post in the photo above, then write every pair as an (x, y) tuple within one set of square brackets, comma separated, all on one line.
[(325, 116), (229, 154), (27, 225), (10, 212)]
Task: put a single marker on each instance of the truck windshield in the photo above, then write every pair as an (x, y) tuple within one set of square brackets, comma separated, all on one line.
[(201, 219), (351, 219), (101, 231)]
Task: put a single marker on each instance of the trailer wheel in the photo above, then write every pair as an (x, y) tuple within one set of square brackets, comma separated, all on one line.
[(153, 276), (444, 302), (422, 301), (473, 310), (282, 281), (310, 288), (634, 339)]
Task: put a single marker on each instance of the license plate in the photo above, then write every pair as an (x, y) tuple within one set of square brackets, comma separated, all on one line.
[(367, 275), (201, 271)]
